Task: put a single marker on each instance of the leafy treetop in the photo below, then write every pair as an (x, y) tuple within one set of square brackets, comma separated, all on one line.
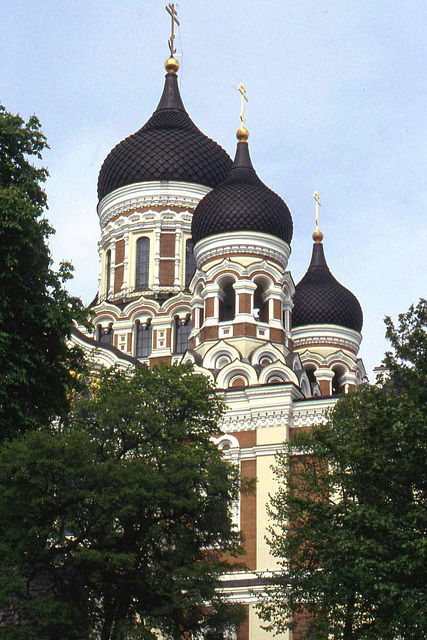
[(125, 513), (36, 312)]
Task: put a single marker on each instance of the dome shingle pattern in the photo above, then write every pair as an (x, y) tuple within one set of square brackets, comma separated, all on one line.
[(320, 299), (242, 203), (168, 147)]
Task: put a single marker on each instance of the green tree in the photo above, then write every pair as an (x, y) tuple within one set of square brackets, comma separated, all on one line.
[(119, 521), (36, 312), (351, 511)]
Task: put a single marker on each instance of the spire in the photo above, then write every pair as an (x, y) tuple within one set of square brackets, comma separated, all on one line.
[(318, 256), (242, 159), (171, 97)]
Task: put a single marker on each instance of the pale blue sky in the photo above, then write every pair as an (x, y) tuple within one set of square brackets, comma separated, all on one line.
[(337, 93)]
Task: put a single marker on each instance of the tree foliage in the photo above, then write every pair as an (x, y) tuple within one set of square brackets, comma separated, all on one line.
[(351, 511), (118, 522), (36, 312)]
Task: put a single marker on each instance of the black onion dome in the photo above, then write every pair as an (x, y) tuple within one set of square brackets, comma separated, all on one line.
[(242, 203), (168, 147), (320, 299)]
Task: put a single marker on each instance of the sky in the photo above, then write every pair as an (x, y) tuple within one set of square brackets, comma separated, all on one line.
[(337, 103)]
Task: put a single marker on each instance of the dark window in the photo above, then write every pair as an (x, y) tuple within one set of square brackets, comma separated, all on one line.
[(105, 334), (190, 265), (182, 333), (260, 307), (108, 274), (144, 339), (310, 374), (337, 380), (227, 306), (142, 262)]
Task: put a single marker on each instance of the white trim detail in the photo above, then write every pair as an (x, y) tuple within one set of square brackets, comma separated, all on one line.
[(242, 242), (315, 334), (150, 194)]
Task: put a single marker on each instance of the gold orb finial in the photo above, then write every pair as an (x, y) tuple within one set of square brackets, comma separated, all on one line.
[(242, 134), (317, 236), (172, 65)]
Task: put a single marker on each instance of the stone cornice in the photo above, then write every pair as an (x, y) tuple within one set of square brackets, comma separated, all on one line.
[(326, 334), (150, 194), (242, 242)]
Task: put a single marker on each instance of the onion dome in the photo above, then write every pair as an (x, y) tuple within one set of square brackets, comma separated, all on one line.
[(320, 299), (242, 203), (168, 147)]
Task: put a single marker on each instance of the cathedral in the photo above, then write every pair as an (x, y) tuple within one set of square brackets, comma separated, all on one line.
[(193, 252)]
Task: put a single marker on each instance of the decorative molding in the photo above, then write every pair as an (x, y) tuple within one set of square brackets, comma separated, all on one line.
[(250, 421), (150, 194), (328, 334), (261, 244), (310, 413)]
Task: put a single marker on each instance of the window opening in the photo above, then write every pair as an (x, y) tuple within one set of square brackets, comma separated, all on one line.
[(228, 304), (182, 333), (336, 381), (105, 334), (260, 306), (190, 264), (142, 262), (144, 339), (108, 274)]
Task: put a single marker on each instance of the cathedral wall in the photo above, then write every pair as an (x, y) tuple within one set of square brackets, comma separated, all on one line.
[(256, 632)]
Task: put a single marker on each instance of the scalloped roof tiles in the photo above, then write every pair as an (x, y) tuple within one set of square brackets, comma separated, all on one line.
[(320, 299), (242, 203), (168, 147)]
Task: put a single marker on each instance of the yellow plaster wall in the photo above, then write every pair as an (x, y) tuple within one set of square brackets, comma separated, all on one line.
[(257, 633), (266, 486)]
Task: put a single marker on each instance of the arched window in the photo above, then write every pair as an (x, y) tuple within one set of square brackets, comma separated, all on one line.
[(142, 262), (337, 380), (310, 369), (182, 333), (260, 306), (108, 272), (105, 334), (144, 339), (238, 381), (222, 361), (227, 306), (190, 265), (274, 379)]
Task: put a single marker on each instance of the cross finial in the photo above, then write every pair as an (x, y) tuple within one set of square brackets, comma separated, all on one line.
[(318, 204), (170, 8), (242, 90), (317, 235)]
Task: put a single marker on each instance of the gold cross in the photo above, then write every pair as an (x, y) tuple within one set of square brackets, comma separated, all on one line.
[(318, 204), (171, 11), (242, 90)]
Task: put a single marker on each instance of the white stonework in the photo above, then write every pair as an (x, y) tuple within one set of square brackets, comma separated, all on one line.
[(243, 242), (144, 195)]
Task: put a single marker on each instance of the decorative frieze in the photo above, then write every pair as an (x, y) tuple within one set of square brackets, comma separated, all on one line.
[(145, 195)]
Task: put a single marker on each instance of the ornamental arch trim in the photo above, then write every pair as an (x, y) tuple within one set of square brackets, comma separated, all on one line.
[(277, 370), (235, 370), (219, 349)]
